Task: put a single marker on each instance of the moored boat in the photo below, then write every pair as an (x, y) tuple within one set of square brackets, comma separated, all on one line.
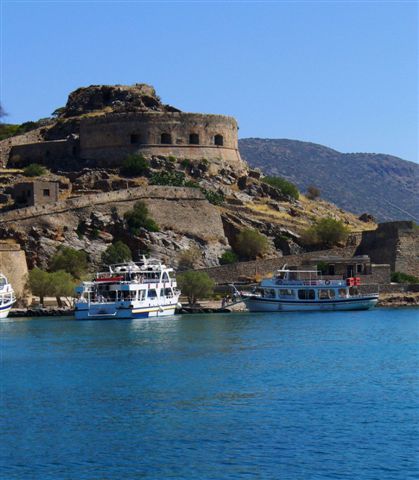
[(7, 296), (305, 290), (127, 291)]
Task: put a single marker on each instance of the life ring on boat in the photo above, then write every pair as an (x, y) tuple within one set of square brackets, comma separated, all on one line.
[(327, 282)]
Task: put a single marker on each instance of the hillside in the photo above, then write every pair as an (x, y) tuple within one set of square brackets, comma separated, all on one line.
[(382, 185)]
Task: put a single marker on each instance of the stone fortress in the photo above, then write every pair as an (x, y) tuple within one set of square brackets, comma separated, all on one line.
[(102, 125)]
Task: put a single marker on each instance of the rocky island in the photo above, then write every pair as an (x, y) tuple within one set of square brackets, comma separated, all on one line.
[(74, 179)]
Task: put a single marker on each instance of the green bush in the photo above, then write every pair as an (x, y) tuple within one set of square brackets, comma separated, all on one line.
[(250, 244), (71, 261), (173, 179), (228, 258), (327, 232), (138, 218), (284, 186), (118, 252), (400, 277), (134, 166), (185, 163), (195, 285), (216, 198), (34, 170), (55, 284)]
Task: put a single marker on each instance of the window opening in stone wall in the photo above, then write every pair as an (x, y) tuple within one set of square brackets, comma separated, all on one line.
[(46, 192), (134, 138), (193, 139), (218, 140), (166, 138)]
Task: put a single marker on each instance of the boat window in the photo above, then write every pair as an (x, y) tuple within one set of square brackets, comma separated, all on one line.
[(168, 292), (165, 277), (331, 270), (342, 292), (269, 293), (286, 292), (306, 294), (141, 295), (359, 268), (281, 275), (326, 294), (152, 293)]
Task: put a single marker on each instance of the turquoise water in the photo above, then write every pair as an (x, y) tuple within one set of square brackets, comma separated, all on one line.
[(240, 396)]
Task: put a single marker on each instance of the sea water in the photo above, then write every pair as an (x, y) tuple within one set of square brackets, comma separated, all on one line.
[(222, 396)]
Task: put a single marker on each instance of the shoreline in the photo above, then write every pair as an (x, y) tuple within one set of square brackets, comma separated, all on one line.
[(392, 301)]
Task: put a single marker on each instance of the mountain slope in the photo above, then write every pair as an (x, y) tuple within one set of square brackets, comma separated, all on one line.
[(383, 185)]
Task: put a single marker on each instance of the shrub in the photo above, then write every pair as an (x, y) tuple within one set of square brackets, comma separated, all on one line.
[(195, 285), (34, 170), (134, 166), (313, 192), (216, 198), (40, 283), (118, 252), (250, 243), (185, 163), (138, 218), (55, 284), (71, 261), (400, 277), (284, 186), (173, 179), (228, 258), (327, 232), (189, 258)]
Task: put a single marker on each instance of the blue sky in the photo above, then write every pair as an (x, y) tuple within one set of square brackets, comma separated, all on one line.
[(343, 74)]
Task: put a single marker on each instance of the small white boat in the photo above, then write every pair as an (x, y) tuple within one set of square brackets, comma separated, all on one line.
[(7, 296), (305, 290), (127, 291)]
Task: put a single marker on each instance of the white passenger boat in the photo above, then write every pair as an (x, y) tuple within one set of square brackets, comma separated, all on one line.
[(7, 296), (127, 291), (304, 290)]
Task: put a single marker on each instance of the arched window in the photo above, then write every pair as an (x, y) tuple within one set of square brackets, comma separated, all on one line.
[(134, 138), (218, 140), (166, 138), (193, 139)]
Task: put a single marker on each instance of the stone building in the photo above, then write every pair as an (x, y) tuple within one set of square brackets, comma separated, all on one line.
[(38, 192), (114, 122), (395, 243)]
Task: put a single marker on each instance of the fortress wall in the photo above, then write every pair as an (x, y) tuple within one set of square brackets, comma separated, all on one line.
[(232, 273), (152, 192), (116, 130), (109, 139), (7, 144), (43, 153), (395, 243), (219, 156), (407, 253), (13, 265)]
